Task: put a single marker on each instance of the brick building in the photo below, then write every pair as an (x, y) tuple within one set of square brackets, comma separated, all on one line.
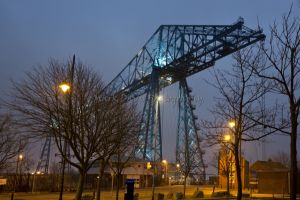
[(269, 177), (226, 164)]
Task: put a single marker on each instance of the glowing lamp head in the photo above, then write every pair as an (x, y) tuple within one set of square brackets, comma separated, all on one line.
[(64, 87), (177, 165), (20, 157), (165, 162), (231, 124), (160, 98)]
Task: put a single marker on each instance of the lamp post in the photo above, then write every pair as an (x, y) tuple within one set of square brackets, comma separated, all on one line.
[(228, 164), (165, 163), (65, 88), (159, 98), (177, 172), (19, 158)]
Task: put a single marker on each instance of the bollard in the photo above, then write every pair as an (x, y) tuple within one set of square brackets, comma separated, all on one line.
[(129, 193)]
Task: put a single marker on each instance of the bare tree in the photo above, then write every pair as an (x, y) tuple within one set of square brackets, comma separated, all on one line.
[(239, 101), (281, 157), (222, 161), (72, 113), (281, 71), (10, 141), (127, 129), (120, 134)]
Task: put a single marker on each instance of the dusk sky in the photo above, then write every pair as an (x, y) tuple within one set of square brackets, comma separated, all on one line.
[(107, 34)]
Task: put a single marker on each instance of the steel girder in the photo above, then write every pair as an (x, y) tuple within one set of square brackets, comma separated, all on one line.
[(149, 145), (43, 164), (173, 53), (179, 51), (189, 154)]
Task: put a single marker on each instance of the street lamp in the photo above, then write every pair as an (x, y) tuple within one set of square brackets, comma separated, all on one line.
[(160, 98), (19, 158), (64, 87), (177, 172), (231, 124), (226, 159), (165, 163)]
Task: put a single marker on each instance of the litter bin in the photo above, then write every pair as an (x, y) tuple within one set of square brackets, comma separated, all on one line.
[(129, 189)]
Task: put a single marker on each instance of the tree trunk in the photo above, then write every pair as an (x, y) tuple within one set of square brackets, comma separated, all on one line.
[(238, 171), (99, 181), (227, 176), (118, 185), (293, 169), (184, 186), (80, 185)]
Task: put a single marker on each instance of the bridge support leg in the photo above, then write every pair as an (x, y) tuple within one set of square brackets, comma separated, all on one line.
[(149, 147), (189, 154)]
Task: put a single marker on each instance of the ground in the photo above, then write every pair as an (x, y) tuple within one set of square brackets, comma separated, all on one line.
[(144, 194)]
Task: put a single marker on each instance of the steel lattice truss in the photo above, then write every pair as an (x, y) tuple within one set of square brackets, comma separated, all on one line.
[(178, 51), (43, 164), (189, 154), (173, 53)]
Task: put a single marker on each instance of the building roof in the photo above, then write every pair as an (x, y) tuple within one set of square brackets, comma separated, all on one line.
[(268, 166)]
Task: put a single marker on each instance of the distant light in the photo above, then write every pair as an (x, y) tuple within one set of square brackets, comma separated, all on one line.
[(165, 162), (177, 165), (38, 172), (227, 137), (64, 87), (20, 157), (169, 79), (160, 98), (148, 165)]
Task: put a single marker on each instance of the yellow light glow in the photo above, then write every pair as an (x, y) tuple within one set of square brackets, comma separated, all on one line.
[(20, 157), (64, 87), (177, 165), (231, 124), (38, 172), (165, 162), (227, 138), (149, 165)]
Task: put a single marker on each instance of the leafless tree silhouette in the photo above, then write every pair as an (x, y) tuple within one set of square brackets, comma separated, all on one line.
[(80, 117), (281, 71), (11, 143), (239, 102)]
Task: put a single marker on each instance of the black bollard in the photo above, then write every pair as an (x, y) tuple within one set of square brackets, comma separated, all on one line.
[(129, 190)]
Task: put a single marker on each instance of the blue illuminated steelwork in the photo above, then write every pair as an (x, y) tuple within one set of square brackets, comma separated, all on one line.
[(189, 154), (149, 147), (179, 51), (173, 53)]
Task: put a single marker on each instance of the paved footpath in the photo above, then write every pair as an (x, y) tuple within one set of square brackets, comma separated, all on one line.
[(144, 194)]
